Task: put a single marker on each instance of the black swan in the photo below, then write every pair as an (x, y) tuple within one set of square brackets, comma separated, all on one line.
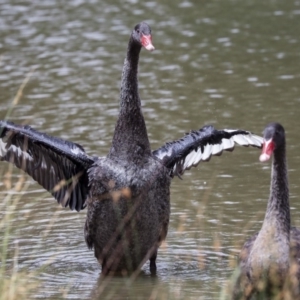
[(270, 260), (126, 193)]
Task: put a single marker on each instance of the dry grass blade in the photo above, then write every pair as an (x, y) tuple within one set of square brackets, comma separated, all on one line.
[(19, 94)]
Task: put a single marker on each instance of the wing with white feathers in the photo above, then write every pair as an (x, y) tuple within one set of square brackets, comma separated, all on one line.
[(200, 145), (58, 165)]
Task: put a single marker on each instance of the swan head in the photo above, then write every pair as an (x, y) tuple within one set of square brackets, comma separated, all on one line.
[(141, 34), (274, 138)]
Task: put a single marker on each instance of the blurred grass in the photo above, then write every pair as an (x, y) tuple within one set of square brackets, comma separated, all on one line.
[(14, 283)]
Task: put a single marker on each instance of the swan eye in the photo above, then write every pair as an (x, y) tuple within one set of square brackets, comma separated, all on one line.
[(138, 31)]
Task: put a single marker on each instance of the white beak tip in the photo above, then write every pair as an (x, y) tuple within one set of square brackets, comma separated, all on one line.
[(264, 157)]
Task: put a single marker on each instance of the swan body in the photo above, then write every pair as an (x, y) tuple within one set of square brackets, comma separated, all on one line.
[(127, 193)]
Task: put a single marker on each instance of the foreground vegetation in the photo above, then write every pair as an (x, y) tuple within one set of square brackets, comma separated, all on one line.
[(14, 283)]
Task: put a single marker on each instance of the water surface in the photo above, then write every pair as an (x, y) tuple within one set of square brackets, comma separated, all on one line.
[(227, 63)]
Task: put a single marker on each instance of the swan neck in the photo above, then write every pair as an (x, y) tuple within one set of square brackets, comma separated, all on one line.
[(130, 141), (129, 82), (278, 206)]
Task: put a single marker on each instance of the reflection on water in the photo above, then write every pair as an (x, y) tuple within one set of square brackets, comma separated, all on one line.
[(222, 62)]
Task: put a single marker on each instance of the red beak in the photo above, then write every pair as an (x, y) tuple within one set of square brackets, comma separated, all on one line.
[(267, 150), (147, 42)]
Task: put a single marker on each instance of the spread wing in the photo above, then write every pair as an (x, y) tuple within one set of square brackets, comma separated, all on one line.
[(59, 166), (200, 145)]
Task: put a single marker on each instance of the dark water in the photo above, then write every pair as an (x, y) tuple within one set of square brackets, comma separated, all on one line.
[(233, 64)]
